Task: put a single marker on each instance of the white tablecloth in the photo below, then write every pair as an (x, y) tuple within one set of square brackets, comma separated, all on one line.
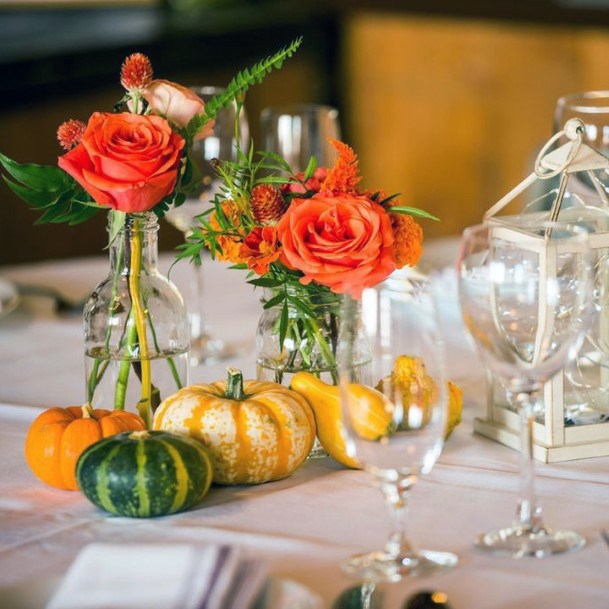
[(303, 525)]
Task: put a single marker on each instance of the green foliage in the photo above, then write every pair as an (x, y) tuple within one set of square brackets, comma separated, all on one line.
[(49, 190), (413, 211), (239, 85)]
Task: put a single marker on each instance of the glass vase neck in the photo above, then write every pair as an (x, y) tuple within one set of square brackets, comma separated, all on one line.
[(138, 230)]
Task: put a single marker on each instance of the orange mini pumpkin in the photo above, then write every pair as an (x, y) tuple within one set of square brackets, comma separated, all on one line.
[(58, 437)]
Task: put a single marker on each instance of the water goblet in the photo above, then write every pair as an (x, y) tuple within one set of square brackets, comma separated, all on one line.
[(394, 418), (526, 322), (220, 144), (296, 132)]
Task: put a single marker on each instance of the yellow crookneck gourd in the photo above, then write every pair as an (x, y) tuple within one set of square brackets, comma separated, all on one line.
[(371, 414)]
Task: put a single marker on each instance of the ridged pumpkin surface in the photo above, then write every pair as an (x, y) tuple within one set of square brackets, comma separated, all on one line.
[(146, 473), (58, 436), (264, 437)]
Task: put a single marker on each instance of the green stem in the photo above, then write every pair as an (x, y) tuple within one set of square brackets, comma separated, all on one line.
[(325, 349), (120, 390), (172, 366), (234, 385), (94, 377)]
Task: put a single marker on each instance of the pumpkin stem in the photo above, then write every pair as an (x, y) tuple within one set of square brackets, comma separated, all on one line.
[(87, 410), (139, 435), (234, 385)]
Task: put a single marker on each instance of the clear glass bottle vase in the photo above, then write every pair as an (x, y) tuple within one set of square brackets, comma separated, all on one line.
[(310, 321), (136, 327)]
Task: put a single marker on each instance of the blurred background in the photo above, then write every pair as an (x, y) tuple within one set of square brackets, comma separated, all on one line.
[(445, 101)]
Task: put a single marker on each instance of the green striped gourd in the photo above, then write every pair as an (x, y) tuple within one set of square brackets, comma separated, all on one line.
[(145, 473)]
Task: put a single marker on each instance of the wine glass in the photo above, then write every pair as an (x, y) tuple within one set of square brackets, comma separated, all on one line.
[(592, 107), (221, 144), (527, 320), (296, 132), (394, 418)]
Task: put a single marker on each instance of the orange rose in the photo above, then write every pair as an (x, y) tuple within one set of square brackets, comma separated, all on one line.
[(126, 161), (343, 242), (260, 249), (176, 103)]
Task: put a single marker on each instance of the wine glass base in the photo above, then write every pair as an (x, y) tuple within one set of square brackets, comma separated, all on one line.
[(206, 349), (380, 566), (520, 542)]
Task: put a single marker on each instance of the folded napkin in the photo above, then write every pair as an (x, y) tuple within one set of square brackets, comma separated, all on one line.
[(159, 576)]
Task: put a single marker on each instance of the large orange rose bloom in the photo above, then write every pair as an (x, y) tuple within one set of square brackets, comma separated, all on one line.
[(126, 161), (343, 242)]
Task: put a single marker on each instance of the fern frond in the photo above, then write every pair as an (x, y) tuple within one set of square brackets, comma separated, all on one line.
[(239, 85)]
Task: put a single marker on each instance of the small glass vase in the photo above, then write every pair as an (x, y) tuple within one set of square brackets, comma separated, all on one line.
[(136, 326), (311, 340), (311, 323)]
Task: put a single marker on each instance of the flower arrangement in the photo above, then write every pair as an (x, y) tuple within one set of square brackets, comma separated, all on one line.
[(133, 162), (307, 238)]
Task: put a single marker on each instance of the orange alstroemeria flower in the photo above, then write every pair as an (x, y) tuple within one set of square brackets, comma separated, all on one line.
[(260, 249)]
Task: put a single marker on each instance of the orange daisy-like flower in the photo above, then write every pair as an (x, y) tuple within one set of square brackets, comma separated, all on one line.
[(230, 244), (136, 72), (344, 176), (408, 239), (260, 249), (70, 133)]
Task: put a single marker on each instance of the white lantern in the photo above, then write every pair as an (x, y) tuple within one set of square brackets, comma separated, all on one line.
[(574, 423)]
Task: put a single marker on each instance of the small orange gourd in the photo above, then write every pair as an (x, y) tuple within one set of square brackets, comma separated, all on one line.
[(58, 436)]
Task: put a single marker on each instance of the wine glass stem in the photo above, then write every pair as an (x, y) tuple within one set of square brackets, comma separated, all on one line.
[(396, 499), (528, 513), (195, 312)]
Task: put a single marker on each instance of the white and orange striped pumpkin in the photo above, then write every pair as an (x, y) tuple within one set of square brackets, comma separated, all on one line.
[(256, 431)]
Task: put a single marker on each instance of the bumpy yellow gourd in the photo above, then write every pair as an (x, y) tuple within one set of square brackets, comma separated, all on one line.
[(371, 413), (255, 431), (409, 374)]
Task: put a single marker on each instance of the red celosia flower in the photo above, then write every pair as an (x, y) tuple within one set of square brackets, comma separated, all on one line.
[(267, 204), (260, 249), (313, 183), (70, 133), (136, 72), (343, 177)]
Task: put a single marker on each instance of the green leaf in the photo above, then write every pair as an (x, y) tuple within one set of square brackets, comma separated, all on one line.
[(303, 308), (283, 324), (238, 86), (37, 177), (311, 167), (412, 211), (266, 282), (240, 267), (272, 302), (117, 221), (36, 198)]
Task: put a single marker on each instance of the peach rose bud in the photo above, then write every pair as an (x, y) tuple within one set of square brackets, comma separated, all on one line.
[(176, 103)]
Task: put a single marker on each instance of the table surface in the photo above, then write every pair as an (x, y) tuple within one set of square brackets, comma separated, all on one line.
[(302, 526)]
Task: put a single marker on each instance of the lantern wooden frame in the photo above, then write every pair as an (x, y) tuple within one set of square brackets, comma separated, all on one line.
[(553, 440)]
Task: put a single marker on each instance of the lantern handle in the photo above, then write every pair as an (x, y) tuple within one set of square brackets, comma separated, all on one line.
[(574, 129)]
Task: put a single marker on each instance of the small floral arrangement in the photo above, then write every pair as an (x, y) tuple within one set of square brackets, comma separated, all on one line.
[(307, 238), (131, 162)]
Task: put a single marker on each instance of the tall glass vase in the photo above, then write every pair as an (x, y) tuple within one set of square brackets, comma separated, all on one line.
[(136, 327)]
